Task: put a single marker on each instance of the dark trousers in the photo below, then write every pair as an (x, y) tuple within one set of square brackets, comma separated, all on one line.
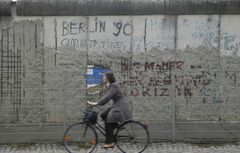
[(109, 127)]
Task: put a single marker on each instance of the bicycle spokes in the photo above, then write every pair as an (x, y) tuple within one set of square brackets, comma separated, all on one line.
[(132, 137), (79, 137)]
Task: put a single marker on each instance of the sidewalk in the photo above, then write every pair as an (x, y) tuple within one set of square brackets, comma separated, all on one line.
[(153, 148)]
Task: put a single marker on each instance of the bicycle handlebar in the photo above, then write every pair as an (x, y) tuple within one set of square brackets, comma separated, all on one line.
[(90, 107)]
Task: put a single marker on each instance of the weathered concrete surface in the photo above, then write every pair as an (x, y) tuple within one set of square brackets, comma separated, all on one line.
[(125, 7), (178, 69), (153, 148), (5, 8), (190, 132), (5, 23)]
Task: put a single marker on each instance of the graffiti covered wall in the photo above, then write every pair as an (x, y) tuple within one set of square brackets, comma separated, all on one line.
[(186, 62)]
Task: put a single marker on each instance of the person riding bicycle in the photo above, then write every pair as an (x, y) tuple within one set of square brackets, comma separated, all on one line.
[(118, 112)]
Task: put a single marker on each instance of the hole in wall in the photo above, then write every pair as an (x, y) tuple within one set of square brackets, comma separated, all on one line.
[(94, 78)]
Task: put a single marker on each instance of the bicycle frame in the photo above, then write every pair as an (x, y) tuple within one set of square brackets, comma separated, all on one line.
[(96, 126), (100, 128)]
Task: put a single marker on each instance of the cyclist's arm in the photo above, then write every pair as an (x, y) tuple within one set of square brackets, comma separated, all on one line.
[(106, 98)]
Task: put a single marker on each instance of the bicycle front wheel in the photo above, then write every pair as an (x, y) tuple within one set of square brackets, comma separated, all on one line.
[(132, 137), (80, 136)]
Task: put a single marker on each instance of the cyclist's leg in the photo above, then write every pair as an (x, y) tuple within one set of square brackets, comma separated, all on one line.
[(105, 113), (109, 129)]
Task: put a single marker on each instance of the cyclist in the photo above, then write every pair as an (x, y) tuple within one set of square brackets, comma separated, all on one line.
[(118, 112)]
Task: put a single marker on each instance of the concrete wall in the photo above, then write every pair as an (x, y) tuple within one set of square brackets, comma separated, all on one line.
[(187, 61), (125, 7)]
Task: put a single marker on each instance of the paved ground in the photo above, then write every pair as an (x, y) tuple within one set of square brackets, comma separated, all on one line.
[(184, 131), (153, 148)]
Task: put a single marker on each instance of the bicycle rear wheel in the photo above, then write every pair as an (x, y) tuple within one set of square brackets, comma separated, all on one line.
[(132, 137), (80, 136)]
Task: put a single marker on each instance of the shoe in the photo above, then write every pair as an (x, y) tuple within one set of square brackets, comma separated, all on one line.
[(106, 146)]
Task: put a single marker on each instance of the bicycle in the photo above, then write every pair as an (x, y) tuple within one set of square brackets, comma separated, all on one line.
[(130, 136)]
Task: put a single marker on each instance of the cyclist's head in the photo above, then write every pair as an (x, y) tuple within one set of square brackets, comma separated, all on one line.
[(109, 77)]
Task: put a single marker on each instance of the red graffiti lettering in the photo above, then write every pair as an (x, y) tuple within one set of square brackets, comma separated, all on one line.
[(134, 92), (179, 64), (165, 92), (146, 92)]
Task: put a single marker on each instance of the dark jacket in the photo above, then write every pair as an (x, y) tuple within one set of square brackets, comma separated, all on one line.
[(119, 111)]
